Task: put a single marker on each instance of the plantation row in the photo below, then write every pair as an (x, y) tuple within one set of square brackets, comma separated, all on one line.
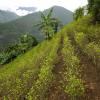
[(30, 78), (30, 75), (91, 49), (87, 38), (73, 83), (45, 77), (17, 77)]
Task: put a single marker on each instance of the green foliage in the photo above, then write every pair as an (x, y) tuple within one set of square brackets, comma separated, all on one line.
[(93, 51), (48, 25), (11, 31), (91, 32), (26, 66), (33, 69), (78, 13), (30, 75), (81, 39), (25, 42), (45, 76), (87, 37), (94, 9), (74, 86)]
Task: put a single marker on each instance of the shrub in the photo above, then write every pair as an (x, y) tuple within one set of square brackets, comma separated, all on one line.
[(28, 39), (74, 87), (81, 39), (78, 13), (25, 42), (93, 51)]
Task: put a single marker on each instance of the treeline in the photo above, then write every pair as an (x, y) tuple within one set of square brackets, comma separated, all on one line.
[(24, 43), (92, 9)]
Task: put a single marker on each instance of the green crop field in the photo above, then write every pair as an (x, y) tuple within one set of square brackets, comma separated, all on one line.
[(67, 67)]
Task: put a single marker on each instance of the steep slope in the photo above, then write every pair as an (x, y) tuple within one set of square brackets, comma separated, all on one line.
[(85, 38), (6, 16), (11, 30), (66, 67)]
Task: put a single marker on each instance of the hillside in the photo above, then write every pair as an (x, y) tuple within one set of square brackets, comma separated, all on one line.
[(64, 68), (7, 16), (10, 31)]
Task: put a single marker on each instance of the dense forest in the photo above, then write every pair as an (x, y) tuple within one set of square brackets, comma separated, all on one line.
[(64, 66)]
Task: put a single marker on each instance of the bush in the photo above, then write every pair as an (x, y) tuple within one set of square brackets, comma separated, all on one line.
[(25, 42), (93, 51), (94, 10), (28, 39), (81, 39), (75, 87)]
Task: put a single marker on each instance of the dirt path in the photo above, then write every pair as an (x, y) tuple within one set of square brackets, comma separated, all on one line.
[(56, 92)]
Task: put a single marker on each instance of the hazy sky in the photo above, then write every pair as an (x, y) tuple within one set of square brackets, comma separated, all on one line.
[(12, 5)]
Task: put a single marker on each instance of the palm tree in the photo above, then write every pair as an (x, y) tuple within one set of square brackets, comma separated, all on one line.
[(48, 25)]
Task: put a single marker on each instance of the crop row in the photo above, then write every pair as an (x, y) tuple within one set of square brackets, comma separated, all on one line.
[(73, 86), (92, 49), (39, 88), (17, 77), (14, 84)]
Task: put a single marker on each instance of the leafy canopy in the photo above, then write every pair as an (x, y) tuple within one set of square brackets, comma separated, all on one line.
[(48, 25)]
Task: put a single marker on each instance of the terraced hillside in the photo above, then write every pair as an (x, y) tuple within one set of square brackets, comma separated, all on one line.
[(66, 67)]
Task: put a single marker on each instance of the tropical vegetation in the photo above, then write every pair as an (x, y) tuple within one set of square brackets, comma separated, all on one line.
[(48, 25), (25, 42), (65, 67)]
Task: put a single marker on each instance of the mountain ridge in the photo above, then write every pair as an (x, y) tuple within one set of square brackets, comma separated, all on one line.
[(7, 16), (11, 30)]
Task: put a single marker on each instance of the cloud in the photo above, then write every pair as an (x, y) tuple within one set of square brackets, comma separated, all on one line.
[(40, 4), (30, 9)]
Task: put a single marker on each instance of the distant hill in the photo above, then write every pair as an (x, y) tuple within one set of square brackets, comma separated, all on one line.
[(6, 16), (11, 30)]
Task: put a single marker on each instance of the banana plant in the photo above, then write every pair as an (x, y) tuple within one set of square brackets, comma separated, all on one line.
[(48, 25)]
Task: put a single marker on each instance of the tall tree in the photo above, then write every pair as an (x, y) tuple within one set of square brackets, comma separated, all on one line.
[(48, 25), (78, 13), (90, 5), (94, 9)]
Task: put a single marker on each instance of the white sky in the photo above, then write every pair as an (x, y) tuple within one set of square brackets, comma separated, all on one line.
[(12, 5)]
